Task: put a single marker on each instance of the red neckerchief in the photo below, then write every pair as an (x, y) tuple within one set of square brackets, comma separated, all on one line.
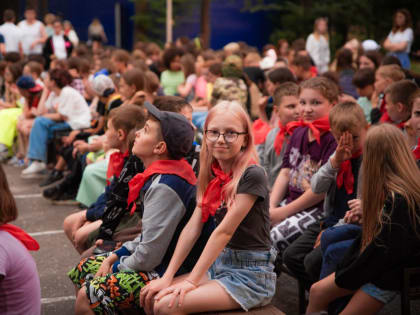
[(260, 130), (278, 142), (317, 127), (115, 165), (345, 174), (386, 119), (179, 168), (27, 240), (416, 150), (214, 194)]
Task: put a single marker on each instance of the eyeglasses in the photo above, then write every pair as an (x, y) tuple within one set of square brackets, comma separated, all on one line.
[(228, 136)]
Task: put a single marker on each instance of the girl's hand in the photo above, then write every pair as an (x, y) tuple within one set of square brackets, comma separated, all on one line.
[(148, 292), (179, 289), (343, 151), (354, 215)]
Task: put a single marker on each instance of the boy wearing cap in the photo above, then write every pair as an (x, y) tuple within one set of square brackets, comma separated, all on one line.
[(165, 196)]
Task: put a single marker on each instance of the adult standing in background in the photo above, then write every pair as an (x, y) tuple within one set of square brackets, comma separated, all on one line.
[(33, 33), (11, 33), (49, 19), (70, 33), (58, 45), (318, 45), (96, 34), (399, 40)]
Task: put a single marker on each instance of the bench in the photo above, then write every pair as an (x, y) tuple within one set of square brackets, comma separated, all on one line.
[(265, 310), (410, 290)]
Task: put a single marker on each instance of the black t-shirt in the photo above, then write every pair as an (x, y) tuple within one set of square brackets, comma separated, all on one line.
[(253, 233)]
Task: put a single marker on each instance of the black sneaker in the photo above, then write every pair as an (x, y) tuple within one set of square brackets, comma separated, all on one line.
[(52, 178), (65, 198), (52, 192)]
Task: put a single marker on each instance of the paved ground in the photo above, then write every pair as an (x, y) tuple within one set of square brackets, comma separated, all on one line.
[(57, 256)]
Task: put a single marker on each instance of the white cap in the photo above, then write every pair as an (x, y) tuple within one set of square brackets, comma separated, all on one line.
[(370, 44), (101, 83)]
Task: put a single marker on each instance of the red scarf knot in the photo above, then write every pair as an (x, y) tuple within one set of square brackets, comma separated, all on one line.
[(180, 168), (345, 174), (278, 142), (115, 165), (386, 119), (260, 130), (28, 241), (416, 150), (318, 127)]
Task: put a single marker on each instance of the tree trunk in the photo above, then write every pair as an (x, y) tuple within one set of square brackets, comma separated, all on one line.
[(205, 23)]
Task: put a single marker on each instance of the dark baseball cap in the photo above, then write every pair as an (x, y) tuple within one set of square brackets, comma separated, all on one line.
[(25, 82), (177, 131)]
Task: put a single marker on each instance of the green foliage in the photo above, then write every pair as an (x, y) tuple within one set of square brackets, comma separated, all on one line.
[(150, 18), (347, 18)]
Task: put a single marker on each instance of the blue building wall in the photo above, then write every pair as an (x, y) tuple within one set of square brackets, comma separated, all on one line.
[(228, 22)]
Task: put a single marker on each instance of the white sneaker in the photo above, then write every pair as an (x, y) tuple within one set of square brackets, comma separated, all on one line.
[(36, 169)]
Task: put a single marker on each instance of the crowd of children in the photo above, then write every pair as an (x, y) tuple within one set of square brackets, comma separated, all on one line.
[(201, 174)]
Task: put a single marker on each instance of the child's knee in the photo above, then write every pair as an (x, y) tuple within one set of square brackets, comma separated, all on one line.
[(80, 238), (161, 307), (316, 291)]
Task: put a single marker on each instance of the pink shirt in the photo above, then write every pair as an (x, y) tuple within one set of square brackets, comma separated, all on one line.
[(20, 291)]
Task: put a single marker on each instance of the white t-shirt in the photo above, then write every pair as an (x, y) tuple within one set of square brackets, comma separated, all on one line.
[(73, 105), (51, 103), (31, 33), (319, 50), (399, 37), (12, 36), (59, 46)]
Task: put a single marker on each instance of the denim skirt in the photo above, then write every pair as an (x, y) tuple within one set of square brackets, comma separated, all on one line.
[(246, 275)]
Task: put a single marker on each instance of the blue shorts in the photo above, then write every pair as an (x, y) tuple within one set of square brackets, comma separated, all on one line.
[(383, 296), (246, 275)]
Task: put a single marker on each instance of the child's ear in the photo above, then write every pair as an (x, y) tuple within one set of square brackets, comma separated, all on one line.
[(121, 134), (160, 148), (400, 107)]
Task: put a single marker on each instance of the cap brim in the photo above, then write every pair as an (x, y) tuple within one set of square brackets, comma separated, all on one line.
[(153, 110)]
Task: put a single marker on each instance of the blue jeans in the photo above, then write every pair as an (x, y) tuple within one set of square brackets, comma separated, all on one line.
[(404, 59), (43, 130), (335, 241)]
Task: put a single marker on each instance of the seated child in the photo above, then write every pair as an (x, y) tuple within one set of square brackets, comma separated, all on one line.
[(232, 193), (72, 112), (286, 108), (293, 205), (384, 76), (20, 291), (173, 76), (165, 196), (339, 179), (373, 266), (364, 80), (121, 122), (397, 100), (115, 218)]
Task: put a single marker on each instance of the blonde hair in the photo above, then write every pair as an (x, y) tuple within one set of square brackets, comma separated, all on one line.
[(388, 168), (347, 116), (325, 86), (392, 72), (242, 160)]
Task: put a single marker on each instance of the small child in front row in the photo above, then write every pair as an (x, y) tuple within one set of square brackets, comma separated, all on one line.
[(373, 267), (293, 205), (339, 179), (235, 269), (287, 108)]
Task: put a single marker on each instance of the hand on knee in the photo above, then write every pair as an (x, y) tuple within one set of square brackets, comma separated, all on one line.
[(161, 307)]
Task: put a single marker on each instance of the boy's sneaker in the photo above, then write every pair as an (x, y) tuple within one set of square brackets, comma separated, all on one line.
[(53, 177), (51, 192), (34, 170), (65, 198), (16, 162)]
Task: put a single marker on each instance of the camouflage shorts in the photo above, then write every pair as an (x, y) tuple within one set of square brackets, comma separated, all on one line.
[(113, 292)]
